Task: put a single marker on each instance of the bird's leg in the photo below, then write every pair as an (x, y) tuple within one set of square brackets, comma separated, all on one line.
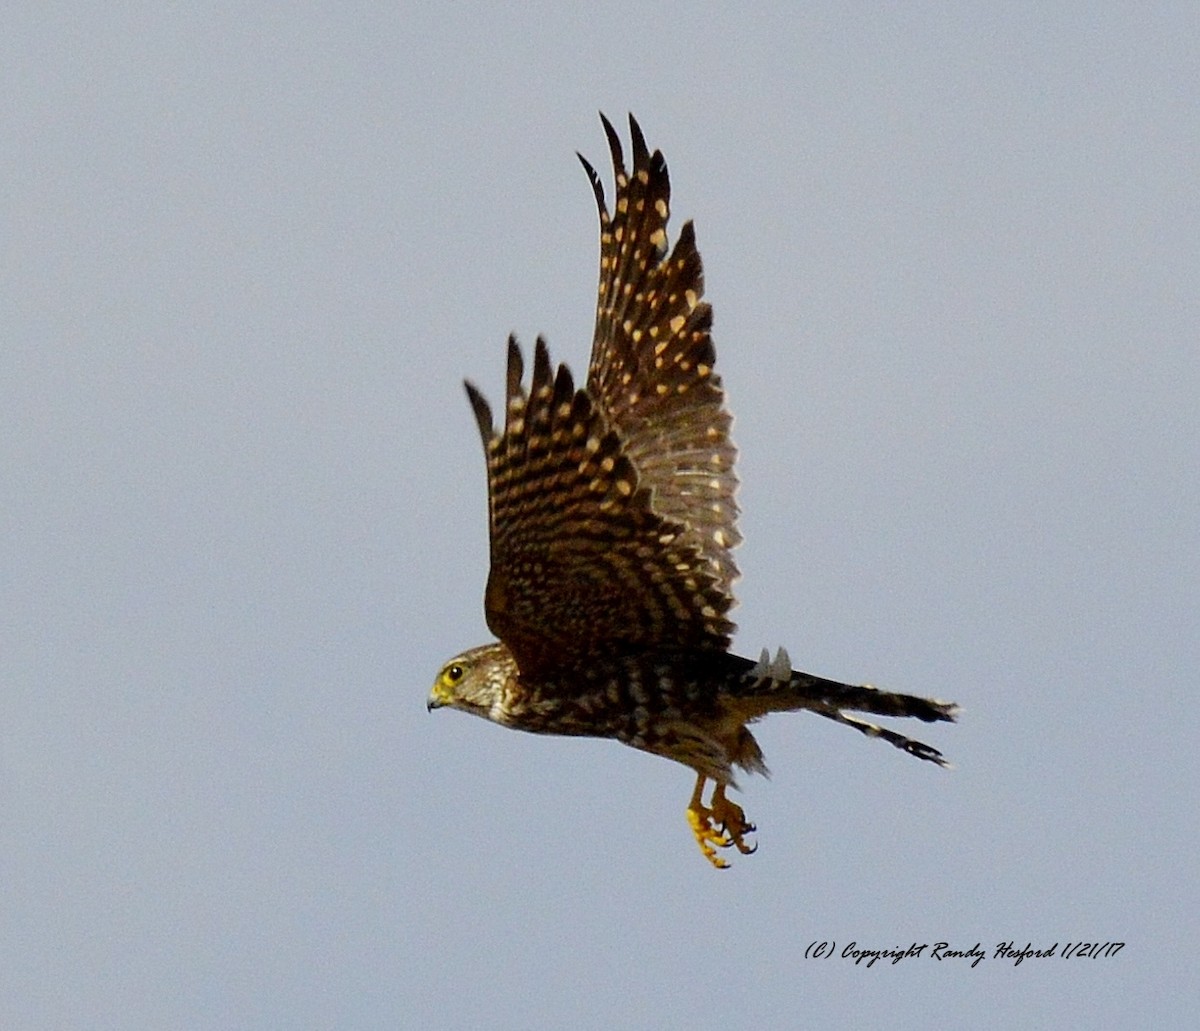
[(732, 821), (720, 826), (700, 817)]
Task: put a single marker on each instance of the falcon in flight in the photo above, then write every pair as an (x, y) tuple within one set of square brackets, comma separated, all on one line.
[(612, 520)]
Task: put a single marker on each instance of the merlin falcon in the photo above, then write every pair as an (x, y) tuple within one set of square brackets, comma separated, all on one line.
[(612, 520)]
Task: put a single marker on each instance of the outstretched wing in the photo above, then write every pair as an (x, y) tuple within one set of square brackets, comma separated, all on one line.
[(580, 563), (651, 371)]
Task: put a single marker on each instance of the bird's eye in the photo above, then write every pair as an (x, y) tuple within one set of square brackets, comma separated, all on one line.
[(453, 674)]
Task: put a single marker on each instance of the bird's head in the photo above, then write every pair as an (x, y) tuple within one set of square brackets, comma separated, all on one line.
[(474, 681)]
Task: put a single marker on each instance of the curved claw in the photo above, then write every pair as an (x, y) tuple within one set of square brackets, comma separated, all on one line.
[(721, 825), (707, 836), (732, 820)]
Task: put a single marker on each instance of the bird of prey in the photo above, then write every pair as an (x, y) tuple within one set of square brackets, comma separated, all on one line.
[(612, 519)]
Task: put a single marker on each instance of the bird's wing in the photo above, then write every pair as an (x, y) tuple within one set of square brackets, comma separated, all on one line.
[(581, 564), (651, 371)]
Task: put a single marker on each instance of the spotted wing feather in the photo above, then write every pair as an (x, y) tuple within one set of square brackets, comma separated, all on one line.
[(580, 564), (651, 369)]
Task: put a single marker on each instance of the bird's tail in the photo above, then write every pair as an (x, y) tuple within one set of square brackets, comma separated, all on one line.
[(773, 686)]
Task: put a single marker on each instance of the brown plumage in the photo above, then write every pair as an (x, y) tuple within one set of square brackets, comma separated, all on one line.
[(612, 518)]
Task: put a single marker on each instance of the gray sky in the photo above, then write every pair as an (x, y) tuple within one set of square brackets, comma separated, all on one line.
[(250, 254)]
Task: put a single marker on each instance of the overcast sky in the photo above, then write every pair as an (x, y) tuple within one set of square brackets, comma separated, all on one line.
[(249, 254)]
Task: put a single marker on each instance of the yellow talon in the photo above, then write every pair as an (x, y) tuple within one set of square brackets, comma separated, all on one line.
[(722, 825), (707, 835), (732, 820)]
